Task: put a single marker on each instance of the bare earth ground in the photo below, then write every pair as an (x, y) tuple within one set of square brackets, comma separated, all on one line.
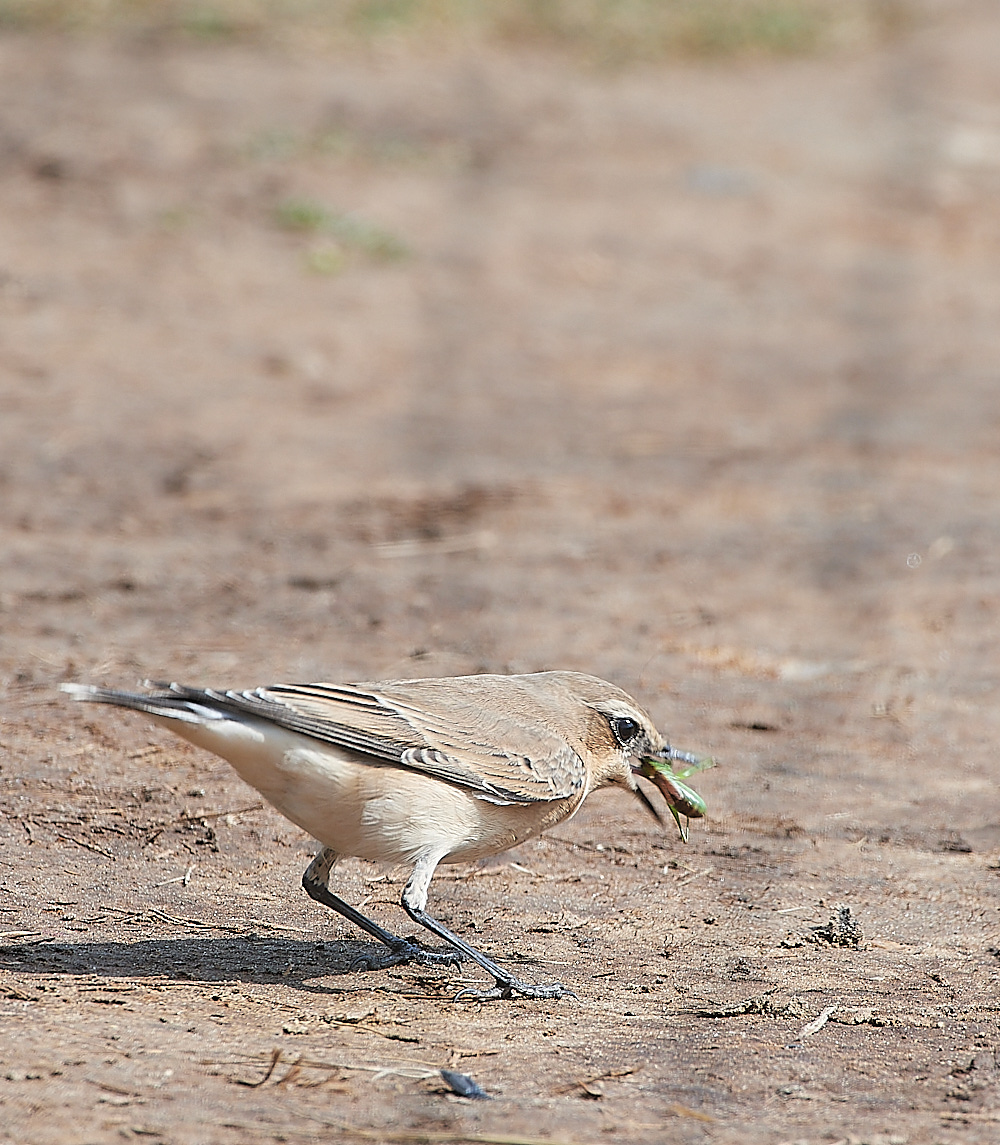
[(689, 379)]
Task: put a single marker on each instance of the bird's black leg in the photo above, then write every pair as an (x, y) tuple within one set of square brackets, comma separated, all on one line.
[(315, 882), (507, 986)]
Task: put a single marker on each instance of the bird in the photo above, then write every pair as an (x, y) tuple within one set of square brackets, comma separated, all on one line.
[(422, 772)]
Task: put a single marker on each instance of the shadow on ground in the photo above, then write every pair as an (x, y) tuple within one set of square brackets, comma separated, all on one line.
[(240, 959)]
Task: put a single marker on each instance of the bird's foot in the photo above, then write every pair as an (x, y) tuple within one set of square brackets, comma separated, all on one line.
[(407, 952), (514, 988)]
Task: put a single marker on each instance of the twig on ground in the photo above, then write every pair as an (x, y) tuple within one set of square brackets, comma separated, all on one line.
[(185, 878), (162, 914), (272, 1066), (417, 1070), (817, 1023), (87, 846), (683, 1111), (584, 1085), (186, 818)]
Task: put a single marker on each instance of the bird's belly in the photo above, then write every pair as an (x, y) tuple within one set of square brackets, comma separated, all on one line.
[(392, 815), (379, 812), (498, 828)]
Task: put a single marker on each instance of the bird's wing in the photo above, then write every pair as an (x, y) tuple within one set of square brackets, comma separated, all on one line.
[(495, 755)]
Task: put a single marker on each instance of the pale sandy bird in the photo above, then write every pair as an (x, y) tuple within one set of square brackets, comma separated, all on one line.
[(419, 772)]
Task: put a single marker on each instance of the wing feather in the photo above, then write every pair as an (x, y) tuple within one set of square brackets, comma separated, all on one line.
[(452, 736)]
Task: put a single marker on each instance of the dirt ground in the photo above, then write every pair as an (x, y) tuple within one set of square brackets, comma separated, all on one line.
[(405, 363)]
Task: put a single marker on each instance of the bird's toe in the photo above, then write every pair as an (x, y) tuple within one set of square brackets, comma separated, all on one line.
[(406, 953), (370, 962), (432, 958), (514, 988)]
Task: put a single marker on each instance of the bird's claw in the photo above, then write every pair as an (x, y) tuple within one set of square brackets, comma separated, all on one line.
[(512, 987)]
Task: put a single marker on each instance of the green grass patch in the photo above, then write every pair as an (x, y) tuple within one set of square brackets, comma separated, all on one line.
[(616, 31), (344, 234)]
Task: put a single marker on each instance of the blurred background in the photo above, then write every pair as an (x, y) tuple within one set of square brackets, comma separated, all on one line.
[(362, 339), (657, 340)]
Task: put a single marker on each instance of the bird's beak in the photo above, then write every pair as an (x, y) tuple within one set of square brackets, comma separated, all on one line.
[(675, 755), (645, 800)]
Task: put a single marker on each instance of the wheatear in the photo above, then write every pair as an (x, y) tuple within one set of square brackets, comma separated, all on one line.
[(422, 772)]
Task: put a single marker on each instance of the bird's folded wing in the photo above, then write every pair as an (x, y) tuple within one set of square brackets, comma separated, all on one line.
[(504, 760)]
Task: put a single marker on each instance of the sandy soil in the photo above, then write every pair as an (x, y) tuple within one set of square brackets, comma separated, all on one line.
[(688, 379)]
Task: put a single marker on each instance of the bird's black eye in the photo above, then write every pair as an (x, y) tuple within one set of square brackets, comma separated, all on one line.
[(625, 729)]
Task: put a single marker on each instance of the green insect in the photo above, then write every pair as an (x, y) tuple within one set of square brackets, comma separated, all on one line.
[(681, 799)]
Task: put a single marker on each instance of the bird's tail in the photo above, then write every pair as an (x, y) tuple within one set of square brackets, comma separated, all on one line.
[(171, 701)]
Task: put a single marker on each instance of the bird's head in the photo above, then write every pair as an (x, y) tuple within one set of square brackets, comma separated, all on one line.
[(620, 742), (634, 748)]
